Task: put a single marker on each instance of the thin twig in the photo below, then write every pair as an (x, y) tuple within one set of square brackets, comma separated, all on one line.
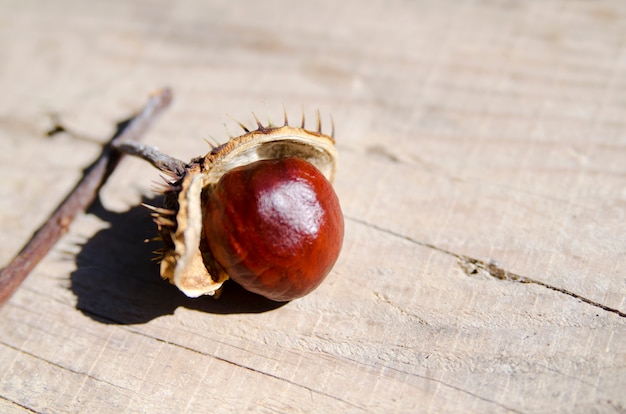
[(151, 154), (80, 198)]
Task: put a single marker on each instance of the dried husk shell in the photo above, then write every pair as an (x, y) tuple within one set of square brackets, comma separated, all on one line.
[(186, 261)]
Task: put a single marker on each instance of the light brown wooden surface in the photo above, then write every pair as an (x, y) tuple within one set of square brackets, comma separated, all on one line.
[(470, 133)]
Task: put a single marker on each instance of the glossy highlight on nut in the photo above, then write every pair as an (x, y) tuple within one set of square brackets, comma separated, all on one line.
[(275, 226)]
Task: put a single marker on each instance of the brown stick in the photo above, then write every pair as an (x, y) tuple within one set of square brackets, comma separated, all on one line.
[(151, 154), (80, 198)]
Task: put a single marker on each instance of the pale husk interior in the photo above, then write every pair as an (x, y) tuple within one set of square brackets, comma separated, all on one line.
[(184, 266)]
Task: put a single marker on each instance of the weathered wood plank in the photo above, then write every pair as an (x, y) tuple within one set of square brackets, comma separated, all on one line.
[(475, 138)]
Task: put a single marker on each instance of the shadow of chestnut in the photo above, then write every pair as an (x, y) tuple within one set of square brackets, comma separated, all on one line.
[(117, 283)]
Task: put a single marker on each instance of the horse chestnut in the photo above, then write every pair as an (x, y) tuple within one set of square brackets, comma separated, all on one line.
[(275, 226), (259, 209)]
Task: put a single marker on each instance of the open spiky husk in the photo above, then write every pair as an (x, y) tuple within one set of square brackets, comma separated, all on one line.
[(186, 261)]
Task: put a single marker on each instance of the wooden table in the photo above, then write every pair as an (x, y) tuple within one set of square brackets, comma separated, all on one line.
[(482, 175)]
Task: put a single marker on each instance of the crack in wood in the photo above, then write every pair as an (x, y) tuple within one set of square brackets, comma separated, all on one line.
[(64, 368), (493, 270), (311, 390), (99, 316), (15, 403), (472, 266), (256, 371), (399, 309), (218, 358), (441, 382)]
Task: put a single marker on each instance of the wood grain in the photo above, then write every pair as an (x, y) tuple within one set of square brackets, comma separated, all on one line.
[(481, 173)]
